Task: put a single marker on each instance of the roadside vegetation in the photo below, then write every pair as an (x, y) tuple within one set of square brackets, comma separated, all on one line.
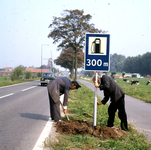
[(19, 75), (81, 103), (141, 91), (5, 81)]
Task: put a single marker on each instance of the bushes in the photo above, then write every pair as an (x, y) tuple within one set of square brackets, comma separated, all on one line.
[(28, 74), (20, 73), (38, 74), (17, 72)]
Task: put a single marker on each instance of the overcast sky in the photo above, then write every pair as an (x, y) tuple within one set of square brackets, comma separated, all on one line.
[(24, 27)]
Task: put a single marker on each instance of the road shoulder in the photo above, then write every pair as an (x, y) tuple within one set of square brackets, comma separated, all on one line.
[(49, 132)]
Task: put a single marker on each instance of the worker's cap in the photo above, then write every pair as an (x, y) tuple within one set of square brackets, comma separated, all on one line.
[(77, 84)]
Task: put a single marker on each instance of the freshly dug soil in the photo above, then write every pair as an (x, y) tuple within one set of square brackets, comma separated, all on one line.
[(83, 127)]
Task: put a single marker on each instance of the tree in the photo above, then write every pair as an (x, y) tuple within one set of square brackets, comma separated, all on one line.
[(146, 64), (117, 62), (69, 30), (89, 73), (66, 59), (28, 74), (38, 74), (17, 72), (138, 64)]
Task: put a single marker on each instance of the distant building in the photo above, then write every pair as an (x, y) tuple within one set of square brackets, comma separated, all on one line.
[(7, 71), (34, 71)]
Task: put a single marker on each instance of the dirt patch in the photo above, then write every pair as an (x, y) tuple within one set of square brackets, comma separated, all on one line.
[(83, 127)]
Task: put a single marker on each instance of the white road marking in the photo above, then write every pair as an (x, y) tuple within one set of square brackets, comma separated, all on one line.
[(17, 84), (45, 133), (28, 88), (6, 95)]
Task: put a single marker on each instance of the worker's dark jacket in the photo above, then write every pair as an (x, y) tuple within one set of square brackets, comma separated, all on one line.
[(59, 86), (111, 89)]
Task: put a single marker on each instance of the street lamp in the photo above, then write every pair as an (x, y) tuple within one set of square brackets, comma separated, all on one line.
[(41, 54)]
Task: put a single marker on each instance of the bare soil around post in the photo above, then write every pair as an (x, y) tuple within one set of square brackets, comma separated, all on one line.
[(73, 127)]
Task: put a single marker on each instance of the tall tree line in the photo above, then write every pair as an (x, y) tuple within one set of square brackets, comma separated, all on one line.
[(138, 64)]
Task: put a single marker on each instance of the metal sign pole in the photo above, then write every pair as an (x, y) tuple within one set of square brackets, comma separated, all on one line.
[(97, 58), (95, 103)]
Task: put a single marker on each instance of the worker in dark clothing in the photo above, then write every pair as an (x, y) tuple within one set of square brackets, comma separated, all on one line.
[(116, 95), (57, 87)]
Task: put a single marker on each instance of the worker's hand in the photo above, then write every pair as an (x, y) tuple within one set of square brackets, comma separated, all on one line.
[(96, 84), (99, 103), (65, 111)]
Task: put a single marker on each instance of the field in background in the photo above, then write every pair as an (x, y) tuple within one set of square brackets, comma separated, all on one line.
[(141, 91), (5, 79)]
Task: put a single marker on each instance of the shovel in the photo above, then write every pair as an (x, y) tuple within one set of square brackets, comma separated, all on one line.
[(65, 113)]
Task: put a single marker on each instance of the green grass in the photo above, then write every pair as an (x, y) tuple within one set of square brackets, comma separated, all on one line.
[(82, 102), (5, 81), (141, 91)]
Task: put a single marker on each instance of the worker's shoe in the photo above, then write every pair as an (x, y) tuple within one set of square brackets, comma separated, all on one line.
[(58, 121)]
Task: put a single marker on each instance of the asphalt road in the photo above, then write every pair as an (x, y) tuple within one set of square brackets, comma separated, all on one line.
[(24, 112), (138, 112)]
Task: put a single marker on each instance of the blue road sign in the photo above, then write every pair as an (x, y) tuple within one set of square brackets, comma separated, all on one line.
[(97, 53)]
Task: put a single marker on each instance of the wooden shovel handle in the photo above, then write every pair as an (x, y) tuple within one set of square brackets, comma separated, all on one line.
[(65, 113)]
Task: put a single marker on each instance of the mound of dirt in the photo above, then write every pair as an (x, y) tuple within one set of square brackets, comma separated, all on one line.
[(83, 127)]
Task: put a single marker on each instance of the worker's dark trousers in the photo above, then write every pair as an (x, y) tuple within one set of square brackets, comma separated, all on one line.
[(120, 105), (54, 109)]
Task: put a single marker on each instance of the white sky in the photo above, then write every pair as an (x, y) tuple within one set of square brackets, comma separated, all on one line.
[(24, 27)]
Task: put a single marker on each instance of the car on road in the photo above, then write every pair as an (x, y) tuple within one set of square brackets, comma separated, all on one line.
[(46, 77)]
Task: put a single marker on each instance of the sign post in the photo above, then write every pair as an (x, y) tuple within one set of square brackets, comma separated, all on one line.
[(97, 58), (95, 103)]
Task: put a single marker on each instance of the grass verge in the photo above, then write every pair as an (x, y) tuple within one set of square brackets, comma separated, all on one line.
[(82, 102), (7, 81)]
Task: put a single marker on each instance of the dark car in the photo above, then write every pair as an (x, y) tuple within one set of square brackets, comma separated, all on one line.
[(47, 77)]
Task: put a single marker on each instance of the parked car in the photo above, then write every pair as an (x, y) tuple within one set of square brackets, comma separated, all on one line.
[(47, 77)]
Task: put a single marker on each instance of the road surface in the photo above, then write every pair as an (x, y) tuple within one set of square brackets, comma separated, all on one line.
[(24, 112)]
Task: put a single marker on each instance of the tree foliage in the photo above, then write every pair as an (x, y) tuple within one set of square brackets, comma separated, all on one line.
[(66, 59), (139, 64), (88, 73), (17, 71), (117, 62), (69, 31), (28, 74), (38, 74)]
